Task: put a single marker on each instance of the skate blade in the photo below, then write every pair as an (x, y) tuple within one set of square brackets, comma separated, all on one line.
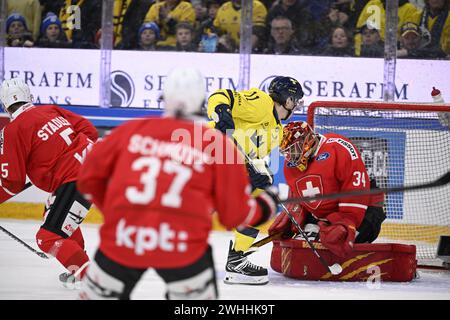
[(236, 278)]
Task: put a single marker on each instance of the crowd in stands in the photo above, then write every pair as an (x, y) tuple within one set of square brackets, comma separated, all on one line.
[(345, 28)]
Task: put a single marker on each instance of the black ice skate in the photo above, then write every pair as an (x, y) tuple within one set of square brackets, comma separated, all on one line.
[(241, 271)]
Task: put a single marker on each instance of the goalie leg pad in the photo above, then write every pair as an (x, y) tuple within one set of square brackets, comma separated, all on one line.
[(373, 261), (194, 282), (107, 280)]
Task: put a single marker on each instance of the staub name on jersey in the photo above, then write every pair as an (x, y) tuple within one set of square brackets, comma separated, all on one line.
[(51, 127), (347, 145)]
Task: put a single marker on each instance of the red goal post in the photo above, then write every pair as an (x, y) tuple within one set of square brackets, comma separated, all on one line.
[(401, 144)]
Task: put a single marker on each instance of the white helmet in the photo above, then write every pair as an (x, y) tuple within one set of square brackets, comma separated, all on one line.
[(184, 91), (13, 91)]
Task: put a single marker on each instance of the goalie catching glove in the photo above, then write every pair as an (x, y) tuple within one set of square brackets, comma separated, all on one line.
[(283, 224), (223, 118)]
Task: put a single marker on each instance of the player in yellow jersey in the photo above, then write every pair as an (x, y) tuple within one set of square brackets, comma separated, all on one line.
[(253, 119)]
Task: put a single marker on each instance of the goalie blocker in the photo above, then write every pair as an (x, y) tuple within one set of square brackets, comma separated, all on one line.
[(384, 261)]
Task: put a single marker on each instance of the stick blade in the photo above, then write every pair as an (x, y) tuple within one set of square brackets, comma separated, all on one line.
[(335, 269)]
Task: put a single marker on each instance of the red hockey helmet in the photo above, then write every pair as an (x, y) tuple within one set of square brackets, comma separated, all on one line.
[(298, 144)]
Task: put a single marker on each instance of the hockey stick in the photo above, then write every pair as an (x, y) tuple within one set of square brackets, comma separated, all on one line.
[(40, 254), (266, 240), (439, 182)]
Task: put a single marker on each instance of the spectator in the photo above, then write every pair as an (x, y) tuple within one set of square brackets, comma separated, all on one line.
[(302, 22), (435, 18), (226, 44), (335, 17), (17, 31), (228, 21), (411, 44), (372, 45), (282, 37), (201, 11), (79, 25), (259, 42), (212, 7), (148, 36), (30, 10), (52, 35), (340, 43), (185, 37), (321, 8), (128, 18), (206, 33), (166, 14), (364, 12)]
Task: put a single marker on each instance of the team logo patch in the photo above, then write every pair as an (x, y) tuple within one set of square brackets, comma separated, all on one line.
[(323, 156), (310, 186)]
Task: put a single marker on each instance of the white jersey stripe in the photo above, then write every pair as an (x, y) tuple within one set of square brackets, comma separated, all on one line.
[(356, 205)]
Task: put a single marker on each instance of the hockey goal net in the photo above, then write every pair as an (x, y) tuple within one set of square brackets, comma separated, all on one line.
[(401, 144)]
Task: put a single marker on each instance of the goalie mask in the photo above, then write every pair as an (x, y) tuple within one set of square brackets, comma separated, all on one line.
[(13, 91), (288, 93), (299, 144)]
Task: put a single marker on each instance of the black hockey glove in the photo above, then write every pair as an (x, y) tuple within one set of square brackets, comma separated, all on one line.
[(223, 118), (260, 175)]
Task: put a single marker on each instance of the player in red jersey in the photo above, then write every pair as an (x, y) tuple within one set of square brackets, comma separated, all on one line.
[(323, 164), (157, 182), (47, 144)]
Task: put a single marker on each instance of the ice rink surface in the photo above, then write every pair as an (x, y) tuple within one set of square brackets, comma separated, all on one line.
[(26, 276)]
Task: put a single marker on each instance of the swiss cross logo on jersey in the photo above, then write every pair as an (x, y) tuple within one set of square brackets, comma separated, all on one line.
[(310, 186)]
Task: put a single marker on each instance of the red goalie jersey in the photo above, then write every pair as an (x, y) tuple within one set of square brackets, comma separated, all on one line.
[(336, 167), (157, 183), (47, 143)]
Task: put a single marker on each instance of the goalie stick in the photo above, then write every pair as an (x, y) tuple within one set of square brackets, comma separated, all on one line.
[(336, 268), (40, 254), (439, 182)]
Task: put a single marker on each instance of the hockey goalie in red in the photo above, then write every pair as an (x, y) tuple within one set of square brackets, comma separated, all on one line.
[(323, 164), (157, 183), (47, 144)]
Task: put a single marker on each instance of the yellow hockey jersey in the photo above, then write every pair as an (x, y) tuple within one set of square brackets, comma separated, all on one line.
[(228, 18), (257, 127), (183, 12), (375, 14), (120, 9), (444, 41)]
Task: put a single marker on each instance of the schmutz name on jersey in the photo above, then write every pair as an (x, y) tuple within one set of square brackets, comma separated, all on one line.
[(149, 239)]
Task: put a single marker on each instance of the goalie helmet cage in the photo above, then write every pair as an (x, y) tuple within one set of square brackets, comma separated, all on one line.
[(401, 144)]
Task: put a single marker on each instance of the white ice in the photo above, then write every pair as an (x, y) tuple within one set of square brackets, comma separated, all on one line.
[(26, 276)]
